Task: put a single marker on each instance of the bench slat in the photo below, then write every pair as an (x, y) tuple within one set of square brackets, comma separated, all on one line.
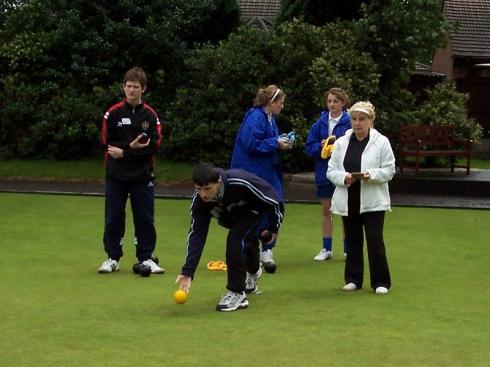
[(432, 141)]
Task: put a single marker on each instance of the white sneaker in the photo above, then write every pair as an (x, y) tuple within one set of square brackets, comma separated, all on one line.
[(267, 256), (349, 287), (155, 269), (109, 266), (232, 301), (251, 281), (267, 260), (323, 255), (381, 290)]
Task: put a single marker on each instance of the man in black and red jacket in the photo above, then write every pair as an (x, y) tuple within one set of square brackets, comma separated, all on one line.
[(240, 201), (131, 136)]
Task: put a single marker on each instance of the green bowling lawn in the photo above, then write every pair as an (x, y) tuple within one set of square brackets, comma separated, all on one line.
[(55, 310)]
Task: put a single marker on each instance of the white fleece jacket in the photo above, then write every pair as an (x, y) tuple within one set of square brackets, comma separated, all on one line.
[(377, 159)]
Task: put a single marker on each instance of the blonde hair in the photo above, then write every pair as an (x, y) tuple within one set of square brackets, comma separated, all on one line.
[(268, 94), (364, 107)]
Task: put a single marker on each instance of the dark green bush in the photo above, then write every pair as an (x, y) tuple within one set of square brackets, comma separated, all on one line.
[(446, 106), (62, 62), (303, 60)]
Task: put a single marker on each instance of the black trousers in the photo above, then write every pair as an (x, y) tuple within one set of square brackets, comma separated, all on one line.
[(242, 250), (141, 195), (372, 224)]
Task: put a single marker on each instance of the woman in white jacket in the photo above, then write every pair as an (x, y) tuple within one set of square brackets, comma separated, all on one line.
[(361, 165)]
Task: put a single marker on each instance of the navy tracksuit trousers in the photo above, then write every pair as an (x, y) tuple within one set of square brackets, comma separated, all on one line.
[(142, 200), (242, 251)]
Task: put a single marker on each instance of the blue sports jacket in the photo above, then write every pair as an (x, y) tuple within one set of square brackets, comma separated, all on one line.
[(318, 132), (257, 150)]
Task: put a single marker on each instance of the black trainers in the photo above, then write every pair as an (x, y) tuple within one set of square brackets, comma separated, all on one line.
[(232, 301)]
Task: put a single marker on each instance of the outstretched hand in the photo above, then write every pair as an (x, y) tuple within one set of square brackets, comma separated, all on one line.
[(184, 282)]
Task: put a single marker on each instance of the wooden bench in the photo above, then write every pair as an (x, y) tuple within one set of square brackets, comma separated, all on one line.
[(432, 141)]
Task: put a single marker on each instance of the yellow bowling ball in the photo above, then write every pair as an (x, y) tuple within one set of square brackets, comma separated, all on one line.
[(180, 297)]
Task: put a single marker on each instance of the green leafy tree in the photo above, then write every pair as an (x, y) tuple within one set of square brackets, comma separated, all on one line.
[(65, 60), (319, 12), (211, 21), (6, 7), (222, 81), (397, 34), (302, 59), (310, 60), (446, 106)]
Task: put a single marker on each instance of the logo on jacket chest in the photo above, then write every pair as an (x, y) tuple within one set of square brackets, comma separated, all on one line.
[(124, 121), (145, 125)]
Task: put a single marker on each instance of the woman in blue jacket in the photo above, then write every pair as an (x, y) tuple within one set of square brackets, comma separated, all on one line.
[(332, 124), (257, 148)]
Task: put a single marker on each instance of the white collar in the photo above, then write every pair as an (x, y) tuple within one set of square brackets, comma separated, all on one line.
[(336, 119)]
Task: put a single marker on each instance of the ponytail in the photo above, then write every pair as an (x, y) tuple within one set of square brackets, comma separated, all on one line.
[(269, 94)]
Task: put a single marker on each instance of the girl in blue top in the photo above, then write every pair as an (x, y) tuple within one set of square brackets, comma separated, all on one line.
[(257, 148), (332, 124)]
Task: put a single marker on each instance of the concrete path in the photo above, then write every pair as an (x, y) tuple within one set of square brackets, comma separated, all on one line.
[(299, 188)]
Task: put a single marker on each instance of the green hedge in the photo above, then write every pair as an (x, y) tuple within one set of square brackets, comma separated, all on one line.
[(302, 59)]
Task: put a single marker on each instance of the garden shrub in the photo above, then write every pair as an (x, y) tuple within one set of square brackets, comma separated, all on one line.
[(302, 59), (446, 106)]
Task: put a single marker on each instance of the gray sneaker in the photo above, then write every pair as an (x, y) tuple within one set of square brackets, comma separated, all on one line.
[(251, 281), (109, 266), (232, 301)]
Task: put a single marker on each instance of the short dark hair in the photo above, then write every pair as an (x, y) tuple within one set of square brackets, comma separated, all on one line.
[(205, 174), (135, 75)]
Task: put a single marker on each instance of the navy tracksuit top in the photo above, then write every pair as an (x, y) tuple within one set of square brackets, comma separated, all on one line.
[(241, 191)]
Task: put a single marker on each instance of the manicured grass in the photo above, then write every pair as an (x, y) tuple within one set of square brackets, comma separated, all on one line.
[(93, 169), (87, 169), (442, 163), (55, 310), (478, 163)]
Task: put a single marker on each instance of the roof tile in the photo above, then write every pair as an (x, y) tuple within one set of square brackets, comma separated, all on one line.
[(472, 37), (266, 9)]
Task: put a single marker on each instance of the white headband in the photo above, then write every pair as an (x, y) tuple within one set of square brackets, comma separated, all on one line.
[(275, 94)]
